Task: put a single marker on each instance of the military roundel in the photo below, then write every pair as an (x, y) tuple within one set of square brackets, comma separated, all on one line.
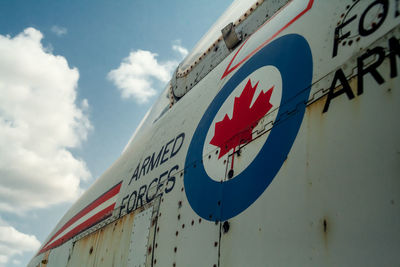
[(238, 163)]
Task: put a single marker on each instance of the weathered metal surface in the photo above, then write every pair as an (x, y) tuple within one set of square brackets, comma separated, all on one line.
[(183, 238), (231, 38), (105, 247), (185, 79), (334, 200), (329, 204), (139, 238), (60, 255)]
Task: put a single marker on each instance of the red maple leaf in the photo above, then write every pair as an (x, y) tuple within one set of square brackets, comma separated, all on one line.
[(230, 133)]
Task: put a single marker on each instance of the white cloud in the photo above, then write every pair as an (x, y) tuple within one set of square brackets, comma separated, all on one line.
[(14, 243), (183, 52), (39, 122), (137, 73), (59, 31), (135, 76)]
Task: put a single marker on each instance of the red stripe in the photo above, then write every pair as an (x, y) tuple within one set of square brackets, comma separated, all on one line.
[(228, 70), (83, 226), (107, 195)]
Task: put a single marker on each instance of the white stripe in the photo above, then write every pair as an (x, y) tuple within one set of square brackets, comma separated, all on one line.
[(90, 214)]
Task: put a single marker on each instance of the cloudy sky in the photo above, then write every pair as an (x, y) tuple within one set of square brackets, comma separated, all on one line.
[(76, 78)]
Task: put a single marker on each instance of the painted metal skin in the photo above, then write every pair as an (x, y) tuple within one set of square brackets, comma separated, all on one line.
[(314, 182)]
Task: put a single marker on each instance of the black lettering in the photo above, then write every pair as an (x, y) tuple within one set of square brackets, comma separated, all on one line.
[(179, 137), (171, 180), (166, 150), (160, 182), (378, 51), (152, 163), (129, 210), (122, 205), (135, 174), (374, 26), (394, 48), (148, 199), (339, 76), (144, 165), (142, 192), (338, 38)]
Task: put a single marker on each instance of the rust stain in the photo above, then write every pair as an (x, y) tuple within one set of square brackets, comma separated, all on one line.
[(45, 259), (108, 246), (318, 106), (326, 226)]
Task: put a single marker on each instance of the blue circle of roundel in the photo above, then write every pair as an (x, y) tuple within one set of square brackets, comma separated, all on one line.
[(220, 201)]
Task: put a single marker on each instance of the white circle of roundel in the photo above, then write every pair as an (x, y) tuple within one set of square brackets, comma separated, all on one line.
[(217, 168)]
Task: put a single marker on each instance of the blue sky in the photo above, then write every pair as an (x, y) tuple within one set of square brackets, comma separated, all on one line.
[(59, 103)]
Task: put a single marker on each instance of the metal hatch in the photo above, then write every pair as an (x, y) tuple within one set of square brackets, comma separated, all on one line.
[(124, 242), (232, 28)]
